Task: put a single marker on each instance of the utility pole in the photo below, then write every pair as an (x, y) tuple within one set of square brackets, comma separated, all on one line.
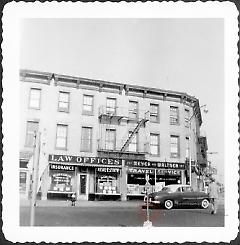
[(35, 178)]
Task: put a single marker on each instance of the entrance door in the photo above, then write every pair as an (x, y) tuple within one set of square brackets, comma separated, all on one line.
[(83, 186)]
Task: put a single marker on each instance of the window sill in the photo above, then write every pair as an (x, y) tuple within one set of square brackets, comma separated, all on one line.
[(29, 146), (174, 156), (61, 149), (63, 110), (87, 113), (34, 108), (154, 155), (154, 121)]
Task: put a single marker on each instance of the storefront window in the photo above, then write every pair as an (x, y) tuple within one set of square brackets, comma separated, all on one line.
[(136, 182), (61, 182), (23, 181), (107, 183)]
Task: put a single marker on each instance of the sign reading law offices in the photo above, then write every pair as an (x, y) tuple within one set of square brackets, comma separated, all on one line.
[(84, 160)]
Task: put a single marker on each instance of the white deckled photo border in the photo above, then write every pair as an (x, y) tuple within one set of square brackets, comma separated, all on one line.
[(12, 14)]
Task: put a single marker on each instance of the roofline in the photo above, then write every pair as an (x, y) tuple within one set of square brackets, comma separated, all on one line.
[(103, 82)]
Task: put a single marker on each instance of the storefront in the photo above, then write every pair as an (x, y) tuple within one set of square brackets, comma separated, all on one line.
[(89, 177), (62, 179), (24, 179), (158, 173), (94, 178)]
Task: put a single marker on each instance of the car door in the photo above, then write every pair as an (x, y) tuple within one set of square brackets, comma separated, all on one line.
[(189, 198), (178, 196)]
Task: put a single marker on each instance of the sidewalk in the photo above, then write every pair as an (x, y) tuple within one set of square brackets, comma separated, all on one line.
[(82, 203)]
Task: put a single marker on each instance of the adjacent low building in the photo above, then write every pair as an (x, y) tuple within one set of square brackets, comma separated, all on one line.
[(106, 140)]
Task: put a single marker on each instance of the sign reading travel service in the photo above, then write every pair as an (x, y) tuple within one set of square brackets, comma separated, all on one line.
[(172, 172)]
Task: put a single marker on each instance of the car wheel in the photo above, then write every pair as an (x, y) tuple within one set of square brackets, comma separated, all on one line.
[(168, 204), (205, 203)]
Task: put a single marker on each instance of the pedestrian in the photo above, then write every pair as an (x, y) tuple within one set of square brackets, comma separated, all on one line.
[(73, 198), (213, 192)]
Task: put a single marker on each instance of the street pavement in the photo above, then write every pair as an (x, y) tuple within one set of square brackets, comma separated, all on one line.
[(116, 213)]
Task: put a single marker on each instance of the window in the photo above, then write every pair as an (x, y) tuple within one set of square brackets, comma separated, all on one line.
[(133, 142), (174, 146), (61, 140), (187, 147), (32, 129), (154, 112), (34, 100), (154, 144), (63, 101), (88, 104), (86, 140), (187, 189), (174, 115), (111, 106), (179, 189), (110, 139), (23, 181), (133, 109), (187, 117)]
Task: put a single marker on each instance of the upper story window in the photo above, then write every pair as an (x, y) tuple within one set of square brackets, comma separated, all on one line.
[(87, 104), (154, 112), (110, 139), (174, 115), (61, 137), (133, 145), (32, 129), (187, 117), (111, 106), (34, 98), (86, 139), (133, 109), (154, 144), (174, 146), (63, 101), (187, 147)]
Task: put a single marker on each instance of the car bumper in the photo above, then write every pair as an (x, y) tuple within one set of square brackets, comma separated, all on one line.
[(155, 202)]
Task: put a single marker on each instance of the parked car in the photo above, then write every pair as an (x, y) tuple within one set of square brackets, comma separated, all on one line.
[(179, 196)]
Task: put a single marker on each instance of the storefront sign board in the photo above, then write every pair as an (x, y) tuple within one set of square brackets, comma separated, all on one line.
[(170, 172), (108, 170), (149, 164), (81, 161), (62, 167)]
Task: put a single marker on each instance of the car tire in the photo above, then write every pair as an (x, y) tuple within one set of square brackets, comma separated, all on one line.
[(168, 204), (205, 203)]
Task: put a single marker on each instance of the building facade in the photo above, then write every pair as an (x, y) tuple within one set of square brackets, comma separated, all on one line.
[(105, 140)]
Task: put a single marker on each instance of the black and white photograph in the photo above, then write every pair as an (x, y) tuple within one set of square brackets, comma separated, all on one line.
[(120, 122)]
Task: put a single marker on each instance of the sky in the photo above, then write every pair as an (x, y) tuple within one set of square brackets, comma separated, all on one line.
[(185, 55)]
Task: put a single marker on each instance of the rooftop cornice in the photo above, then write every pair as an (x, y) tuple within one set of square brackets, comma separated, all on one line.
[(114, 85)]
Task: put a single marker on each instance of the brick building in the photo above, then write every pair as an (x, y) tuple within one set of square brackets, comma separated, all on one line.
[(102, 139)]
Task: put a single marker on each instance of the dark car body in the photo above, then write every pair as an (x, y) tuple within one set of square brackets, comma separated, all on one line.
[(179, 196)]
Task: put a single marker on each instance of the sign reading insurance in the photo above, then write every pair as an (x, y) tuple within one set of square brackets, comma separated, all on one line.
[(84, 160), (62, 167), (148, 164)]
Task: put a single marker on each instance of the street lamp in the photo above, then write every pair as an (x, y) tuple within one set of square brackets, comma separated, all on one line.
[(190, 152)]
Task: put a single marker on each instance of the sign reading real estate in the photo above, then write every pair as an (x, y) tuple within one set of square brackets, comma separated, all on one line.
[(149, 164), (108, 170), (84, 160)]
